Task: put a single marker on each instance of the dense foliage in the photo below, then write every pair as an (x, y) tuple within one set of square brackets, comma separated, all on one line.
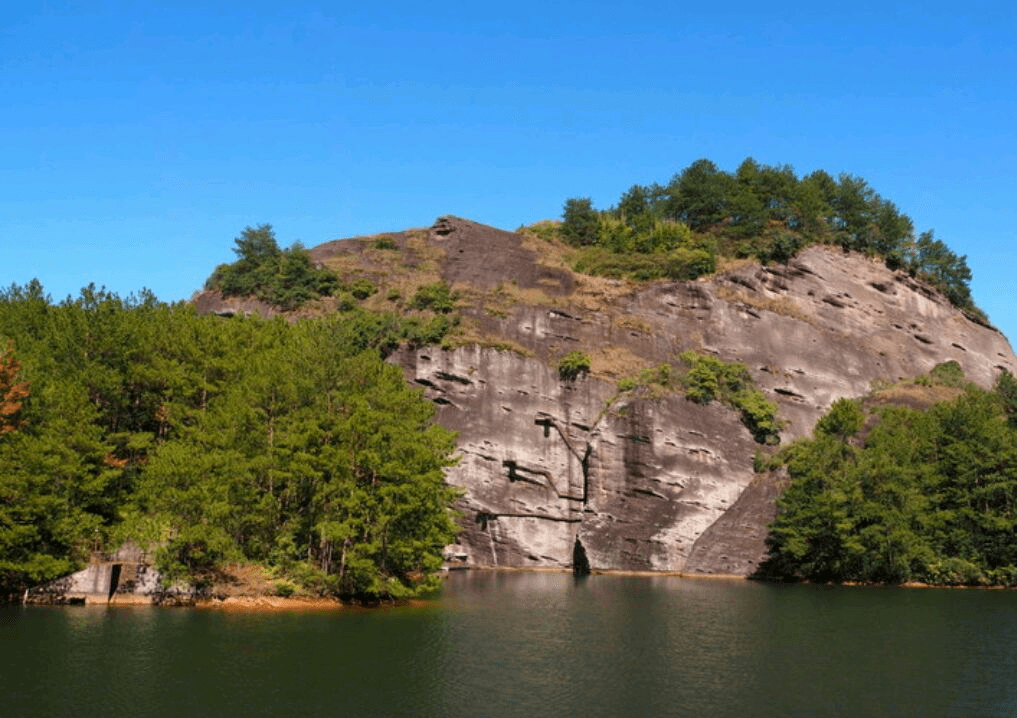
[(901, 494), (679, 229), (709, 378), (286, 278), (289, 444)]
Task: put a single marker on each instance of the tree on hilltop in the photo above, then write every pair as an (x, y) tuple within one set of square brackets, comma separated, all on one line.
[(286, 278)]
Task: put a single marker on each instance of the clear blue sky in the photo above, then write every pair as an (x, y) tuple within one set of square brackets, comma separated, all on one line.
[(137, 142)]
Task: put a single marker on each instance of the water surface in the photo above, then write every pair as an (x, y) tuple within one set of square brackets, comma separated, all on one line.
[(530, 644)]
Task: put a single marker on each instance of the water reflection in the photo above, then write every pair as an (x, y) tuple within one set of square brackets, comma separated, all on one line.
[(540, 644)]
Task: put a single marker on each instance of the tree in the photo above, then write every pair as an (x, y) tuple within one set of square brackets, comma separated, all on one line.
[(933, 261), (852, 212), (812, 203), (580, 222), (699, 195), (748, 213), (1006, 389), (893, 231), (12, 392), (316, 459), (258, 257), (635, 210), (286, 278), (842, 421), (928, 495)]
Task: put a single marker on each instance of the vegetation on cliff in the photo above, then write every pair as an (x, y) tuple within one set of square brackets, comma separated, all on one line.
[(285, 278), (679, 230), (216, 439), (705, 378), (886, 492)]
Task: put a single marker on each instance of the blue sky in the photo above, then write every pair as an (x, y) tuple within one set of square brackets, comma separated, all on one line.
[(138, 141)]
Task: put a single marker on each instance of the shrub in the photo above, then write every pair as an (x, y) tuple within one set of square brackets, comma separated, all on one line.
[(709, 378), (759, 415), (438, 297), (362, 288), (572, 365), (195, 556), (283, 589), (687, 264), (345, 302), (546, 230), (683, 263), (701, 384), (428, 333), (955, 571), (948, 374), (655, 381)]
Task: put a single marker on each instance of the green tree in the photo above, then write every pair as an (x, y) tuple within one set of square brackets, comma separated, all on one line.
[(933, 261), (842, 421), (698, 196), (927, 496), (635, 209), (580, 222), (286, 278)]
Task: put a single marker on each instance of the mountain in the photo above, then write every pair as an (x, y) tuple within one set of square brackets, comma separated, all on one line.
[(613, 467)]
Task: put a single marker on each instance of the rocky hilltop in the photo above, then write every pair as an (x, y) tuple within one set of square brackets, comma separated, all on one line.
[(558, 472)]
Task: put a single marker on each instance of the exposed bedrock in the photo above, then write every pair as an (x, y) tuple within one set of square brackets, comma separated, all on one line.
[(545, 463), (664, 484)]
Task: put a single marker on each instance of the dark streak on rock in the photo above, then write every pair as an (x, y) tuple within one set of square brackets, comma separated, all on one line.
[(453, 377)]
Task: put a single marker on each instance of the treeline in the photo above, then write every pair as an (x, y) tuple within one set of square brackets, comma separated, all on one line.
[(679, 229), (896, 494), (216, 439)]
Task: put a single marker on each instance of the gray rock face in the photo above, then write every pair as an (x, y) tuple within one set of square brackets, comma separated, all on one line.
[(546, 464), (556, 471)]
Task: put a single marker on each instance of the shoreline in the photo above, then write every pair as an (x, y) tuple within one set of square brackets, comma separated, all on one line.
[(267, 603), (258, 604)]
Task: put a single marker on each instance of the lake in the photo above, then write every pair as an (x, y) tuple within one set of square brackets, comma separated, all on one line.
[(534, 645)]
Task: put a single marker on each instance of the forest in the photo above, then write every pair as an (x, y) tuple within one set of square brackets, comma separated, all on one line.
[(889, 493), (290, 444), (682, 229)]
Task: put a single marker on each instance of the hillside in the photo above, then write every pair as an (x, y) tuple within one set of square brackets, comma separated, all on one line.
[(557, 470)]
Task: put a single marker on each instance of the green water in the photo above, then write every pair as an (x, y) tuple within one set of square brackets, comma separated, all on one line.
[(530, 645)]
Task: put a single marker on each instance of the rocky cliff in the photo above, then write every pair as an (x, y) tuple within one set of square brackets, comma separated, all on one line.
[(559, 472)]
